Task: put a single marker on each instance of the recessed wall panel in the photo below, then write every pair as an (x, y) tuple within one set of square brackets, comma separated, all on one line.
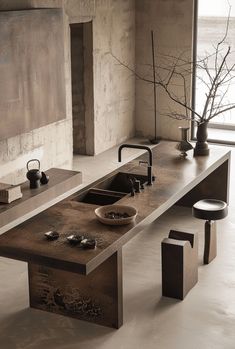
[(32, 87)]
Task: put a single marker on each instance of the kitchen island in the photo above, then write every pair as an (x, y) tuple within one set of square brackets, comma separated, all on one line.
[(87, 284)]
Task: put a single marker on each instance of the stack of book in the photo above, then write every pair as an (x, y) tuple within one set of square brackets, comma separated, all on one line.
[(9, 193)]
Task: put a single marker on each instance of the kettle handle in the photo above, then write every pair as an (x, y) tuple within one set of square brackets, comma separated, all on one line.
[(32, 161)]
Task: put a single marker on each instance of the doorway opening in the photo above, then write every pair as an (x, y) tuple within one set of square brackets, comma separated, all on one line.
[(82, 88)]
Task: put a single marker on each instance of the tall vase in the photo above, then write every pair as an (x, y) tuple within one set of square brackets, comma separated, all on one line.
[(183, 146), (201, 147)]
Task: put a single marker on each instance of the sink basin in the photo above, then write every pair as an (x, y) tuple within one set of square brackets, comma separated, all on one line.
[(111, 189), (120, 182), (99, 197)]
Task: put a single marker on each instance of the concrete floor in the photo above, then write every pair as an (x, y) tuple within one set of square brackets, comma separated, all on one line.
[(205, 319)]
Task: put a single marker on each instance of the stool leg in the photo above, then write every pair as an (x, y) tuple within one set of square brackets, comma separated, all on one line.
[(210, 249)]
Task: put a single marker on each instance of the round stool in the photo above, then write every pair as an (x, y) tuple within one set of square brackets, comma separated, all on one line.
[(210, 210)]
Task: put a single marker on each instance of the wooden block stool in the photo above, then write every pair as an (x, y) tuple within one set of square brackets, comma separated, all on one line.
[(210, 210), (179, 264)]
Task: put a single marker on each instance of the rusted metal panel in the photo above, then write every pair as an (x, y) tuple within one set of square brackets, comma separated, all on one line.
[(96, 297)]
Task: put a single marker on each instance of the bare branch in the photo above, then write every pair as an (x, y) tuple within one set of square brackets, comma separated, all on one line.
[(222, 111), (172, 74)]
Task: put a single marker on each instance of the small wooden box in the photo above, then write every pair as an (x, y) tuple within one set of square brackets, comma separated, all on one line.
[(9, 193)]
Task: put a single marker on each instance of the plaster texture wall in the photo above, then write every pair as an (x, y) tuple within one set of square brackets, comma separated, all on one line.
[(32, 89), (172, 23), (114, 89), (51, 144)]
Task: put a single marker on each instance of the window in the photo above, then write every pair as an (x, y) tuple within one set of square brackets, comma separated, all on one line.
[(211, 28)]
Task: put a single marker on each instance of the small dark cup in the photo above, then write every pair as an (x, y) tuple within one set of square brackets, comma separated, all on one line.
[(88, 243), (75, 239), (52, 235), (44, 179)]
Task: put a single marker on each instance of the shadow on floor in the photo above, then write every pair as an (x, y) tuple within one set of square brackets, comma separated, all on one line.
[(30, 328)]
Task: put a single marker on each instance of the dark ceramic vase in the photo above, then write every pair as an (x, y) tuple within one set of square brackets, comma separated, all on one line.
[(201, 147)]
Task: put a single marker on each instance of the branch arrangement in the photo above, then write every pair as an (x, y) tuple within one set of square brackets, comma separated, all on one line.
[(213, 70)]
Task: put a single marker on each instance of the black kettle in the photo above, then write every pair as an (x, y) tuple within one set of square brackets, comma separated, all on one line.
[(34, 175)]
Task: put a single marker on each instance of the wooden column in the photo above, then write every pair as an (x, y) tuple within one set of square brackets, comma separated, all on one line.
[(96, 297), (210, 248), (179, 263)]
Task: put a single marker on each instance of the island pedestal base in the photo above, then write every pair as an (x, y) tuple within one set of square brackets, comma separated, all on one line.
[(96, 297)]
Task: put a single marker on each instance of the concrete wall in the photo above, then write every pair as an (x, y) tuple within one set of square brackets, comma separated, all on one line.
[(52, 144), (114, 89), (120, 27), (172, 23), (31, 97)]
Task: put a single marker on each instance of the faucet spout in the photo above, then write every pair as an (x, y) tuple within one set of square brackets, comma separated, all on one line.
[(137, 146)]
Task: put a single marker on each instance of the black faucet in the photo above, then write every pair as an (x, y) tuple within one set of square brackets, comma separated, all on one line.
[(136, 146)]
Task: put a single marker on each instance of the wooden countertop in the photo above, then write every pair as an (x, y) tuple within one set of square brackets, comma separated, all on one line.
[(174, 178), (60, 181)]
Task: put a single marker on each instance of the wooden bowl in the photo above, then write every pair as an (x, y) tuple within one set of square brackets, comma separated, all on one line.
[(102, 211)]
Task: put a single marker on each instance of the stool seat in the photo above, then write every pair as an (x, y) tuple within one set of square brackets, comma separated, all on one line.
[(210, 209)]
